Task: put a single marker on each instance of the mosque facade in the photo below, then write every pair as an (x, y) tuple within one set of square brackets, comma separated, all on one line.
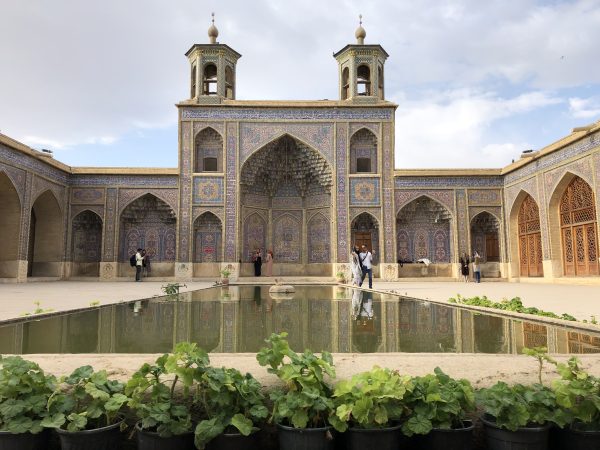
[(307, 179)]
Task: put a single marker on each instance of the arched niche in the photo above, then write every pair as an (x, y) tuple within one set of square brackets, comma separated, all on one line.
[(423, 231), (319, 239), (86, 244), (485, 240), (208, 237), (148, 223), (363, 152), (526, 237), (45, 253), (208, 153), (10, 227), (573, 228), (364, 230)]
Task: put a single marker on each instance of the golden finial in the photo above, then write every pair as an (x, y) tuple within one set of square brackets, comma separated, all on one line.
[(213, 33), (360, 32)]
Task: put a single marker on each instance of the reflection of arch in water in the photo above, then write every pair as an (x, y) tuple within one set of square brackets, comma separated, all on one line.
[(319, 325), (206, 324), (152, 328), (426, 327), (366, 325)]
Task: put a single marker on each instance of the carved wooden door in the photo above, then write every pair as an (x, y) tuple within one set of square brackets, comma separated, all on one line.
[(361, 239), (530, 239), (492, 247), (578, 230)]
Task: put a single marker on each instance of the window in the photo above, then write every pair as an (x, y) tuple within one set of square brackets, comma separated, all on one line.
[(345, 83), (363, 82), (210, 165), (363, 164), (229, 93), (193, 85), (380, 82), (210, 80)]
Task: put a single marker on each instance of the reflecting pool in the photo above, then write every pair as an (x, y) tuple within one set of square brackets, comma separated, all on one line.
[(239, 318)]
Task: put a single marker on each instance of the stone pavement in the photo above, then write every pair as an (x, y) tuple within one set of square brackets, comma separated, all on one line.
[(16, 299)]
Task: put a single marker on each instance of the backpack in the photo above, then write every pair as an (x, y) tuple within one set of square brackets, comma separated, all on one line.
[(132, 260)]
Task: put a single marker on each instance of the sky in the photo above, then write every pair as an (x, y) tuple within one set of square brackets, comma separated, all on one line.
[(476, 82)]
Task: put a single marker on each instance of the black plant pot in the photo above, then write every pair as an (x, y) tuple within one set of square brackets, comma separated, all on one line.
[(150, 440), (233, 441), (305, 438), (529, 438), (454, 439), (24, 441), (576, 438), (390, 438), (106, 438)]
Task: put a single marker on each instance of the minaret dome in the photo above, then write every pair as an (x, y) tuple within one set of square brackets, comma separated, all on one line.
[(213, 32), (360, 33)]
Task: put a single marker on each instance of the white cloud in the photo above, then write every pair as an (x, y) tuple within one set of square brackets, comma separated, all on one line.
[(585, 108)]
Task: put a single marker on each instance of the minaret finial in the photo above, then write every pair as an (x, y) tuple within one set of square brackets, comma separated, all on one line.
[(213, 33), (360, 32)]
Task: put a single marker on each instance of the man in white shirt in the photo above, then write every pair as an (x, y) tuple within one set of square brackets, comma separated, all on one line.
[(139, 261), (366, 259)]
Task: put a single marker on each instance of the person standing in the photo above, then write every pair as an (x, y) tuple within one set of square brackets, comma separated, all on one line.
[(356, 268), (139, 261), (269, 263), (257, 262), (464, 267), (366, 259), (477, 267)]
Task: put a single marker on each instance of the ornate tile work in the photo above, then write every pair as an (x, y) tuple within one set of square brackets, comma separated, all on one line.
[(342, 209), (208, 190), (445, 197), (256, 135), (373, 126), (287, 238), (297, 214), (77, 209), (231, 193), (388, 194), (110, 217), (494, 210), (17, 176), (485, 197), (355, 212), (317, 201), (255, 235), (87, 196), (218, 126), (343, 335), (287, 202), (163, 181), (41, 184), (364, 191), (86, 235), (261, 201), (462, 221), (126, 196), (185, 194), (334, 113), (15, 157), (197, 211), (152, 234), (581, 168), (247, 212), (511, 192), (26, 218), (553, 158), (543, 220), (448, 182)]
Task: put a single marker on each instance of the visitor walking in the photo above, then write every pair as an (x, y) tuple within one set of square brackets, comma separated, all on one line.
[(464, 267), (477, 267), (356, 267), (366, 259), (269, 263), (139, 260), (257, 260)]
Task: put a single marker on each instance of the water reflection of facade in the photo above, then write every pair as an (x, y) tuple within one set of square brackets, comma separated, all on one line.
[(307, 179)]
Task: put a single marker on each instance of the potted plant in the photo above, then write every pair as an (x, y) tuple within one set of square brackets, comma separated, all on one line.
[(340, 276), (163, 411), (24, 393), (225, 274), (302, 408), (578, 393), (85, 410), (233, 404), (370, 407), (439, 405), (518, 415)]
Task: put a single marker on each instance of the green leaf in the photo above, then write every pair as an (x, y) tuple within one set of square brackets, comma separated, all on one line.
[(243, 424), (54, 421), (76, 422), (418, 425), (116, 402), (207, 430), (299, 418)]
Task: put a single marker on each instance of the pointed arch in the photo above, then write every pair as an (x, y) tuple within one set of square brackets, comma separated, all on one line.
[(10, 226), (208, 237), (208, 150), (419, 195), (363, 151), (423, 231), (485, 236), (287, 238), (573, 227), (364, 230), (525, 237), (149, 223), (255, 234), (45, 253), (86, 243), (319, 240)]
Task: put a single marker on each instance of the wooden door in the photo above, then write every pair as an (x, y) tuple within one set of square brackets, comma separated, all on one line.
[(361, 238), (492, 247), (530, 239)]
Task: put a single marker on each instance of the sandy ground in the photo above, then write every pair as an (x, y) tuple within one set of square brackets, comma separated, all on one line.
[(482, 370)]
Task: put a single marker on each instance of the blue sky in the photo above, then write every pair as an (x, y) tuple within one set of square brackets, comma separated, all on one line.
[(476, 82)]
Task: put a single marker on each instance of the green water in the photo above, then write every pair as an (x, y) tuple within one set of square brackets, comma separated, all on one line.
[(238, 318)]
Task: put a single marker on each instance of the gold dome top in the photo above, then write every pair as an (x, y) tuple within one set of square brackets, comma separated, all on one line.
[(213, 32), (360, 32)]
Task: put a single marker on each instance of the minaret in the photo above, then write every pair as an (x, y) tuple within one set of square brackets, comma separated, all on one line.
[(213, 67), (361, 69)]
